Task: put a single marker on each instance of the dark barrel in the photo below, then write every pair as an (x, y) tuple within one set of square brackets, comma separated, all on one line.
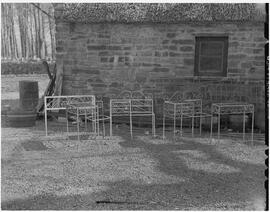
[(28, 94)]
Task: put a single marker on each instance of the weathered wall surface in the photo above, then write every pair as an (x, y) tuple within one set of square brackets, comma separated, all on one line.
[(105, 59)]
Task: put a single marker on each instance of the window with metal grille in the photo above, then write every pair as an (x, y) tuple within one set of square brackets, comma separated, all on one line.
[(211, 54)]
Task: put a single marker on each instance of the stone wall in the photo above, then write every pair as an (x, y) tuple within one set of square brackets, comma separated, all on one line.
[(105, 59), (99, 58)]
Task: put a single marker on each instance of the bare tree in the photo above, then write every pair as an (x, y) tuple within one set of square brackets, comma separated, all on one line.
[(27, 31)]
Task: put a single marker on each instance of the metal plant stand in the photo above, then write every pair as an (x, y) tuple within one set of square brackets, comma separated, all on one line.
[(57, 103), (198, 112), (101, 117), (176, 111), (86, 110), (232, 108)]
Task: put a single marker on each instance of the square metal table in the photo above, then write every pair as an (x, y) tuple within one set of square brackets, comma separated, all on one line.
[(178, 110), (86, 109), (232, 108)]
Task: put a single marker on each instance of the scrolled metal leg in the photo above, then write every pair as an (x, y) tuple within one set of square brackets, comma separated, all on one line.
[(153, 125), (67, 125), (181, 125), (46, 123), (211, 129), (130, 122), (218, 127), (252, 127), (192, 126), (163, 134), (78, 126), (244, 126), (200, 125)]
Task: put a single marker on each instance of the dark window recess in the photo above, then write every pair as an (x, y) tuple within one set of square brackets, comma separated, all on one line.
[(211, 54)]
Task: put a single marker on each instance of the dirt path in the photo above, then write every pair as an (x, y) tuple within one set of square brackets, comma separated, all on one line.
[(124, 174)]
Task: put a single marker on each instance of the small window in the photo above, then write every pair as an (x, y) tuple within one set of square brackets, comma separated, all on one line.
[(211, 55)]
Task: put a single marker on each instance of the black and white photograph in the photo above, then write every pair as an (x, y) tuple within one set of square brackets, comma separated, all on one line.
[(134, 106)]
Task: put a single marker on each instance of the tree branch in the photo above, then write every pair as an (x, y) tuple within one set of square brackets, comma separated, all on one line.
[(42, 10)]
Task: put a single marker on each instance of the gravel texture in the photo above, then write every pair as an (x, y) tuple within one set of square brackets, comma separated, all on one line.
[(41, 173)]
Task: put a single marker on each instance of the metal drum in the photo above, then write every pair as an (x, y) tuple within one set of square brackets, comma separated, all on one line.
[(28, 95)]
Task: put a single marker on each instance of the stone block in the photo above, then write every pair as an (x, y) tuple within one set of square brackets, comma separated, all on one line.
[(237, 56), (165, 41), (183, 41), (260, 58), (160, 70), (114, 48), (158, 54), (173, 48), (258, 51), (259, 39), (171, 35), (86, 71), (103, 53), (111, 59), (246, 65), (127, 48), (186, 48), (59, 49), (147, 53), (103, 59), (188, 62), (258, 63), (260, 45), (165, 54), (94, 48), (173, 54)]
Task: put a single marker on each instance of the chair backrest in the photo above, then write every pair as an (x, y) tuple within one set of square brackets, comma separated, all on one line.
[(172, 109), (134, 102), (61, 102)]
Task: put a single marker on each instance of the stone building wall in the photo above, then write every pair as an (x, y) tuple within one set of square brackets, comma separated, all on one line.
[(99, 58), (105, 59)]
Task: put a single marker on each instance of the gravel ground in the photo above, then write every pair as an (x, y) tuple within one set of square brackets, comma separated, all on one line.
[(53, 173), (121, 174)]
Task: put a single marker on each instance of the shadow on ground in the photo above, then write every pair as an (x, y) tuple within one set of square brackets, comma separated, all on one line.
[(202, 190)]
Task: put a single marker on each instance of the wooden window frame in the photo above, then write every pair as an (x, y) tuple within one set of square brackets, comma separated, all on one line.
[(199, 40)]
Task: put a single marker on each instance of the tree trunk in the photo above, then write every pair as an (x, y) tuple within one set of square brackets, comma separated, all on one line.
[(17, 33)]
